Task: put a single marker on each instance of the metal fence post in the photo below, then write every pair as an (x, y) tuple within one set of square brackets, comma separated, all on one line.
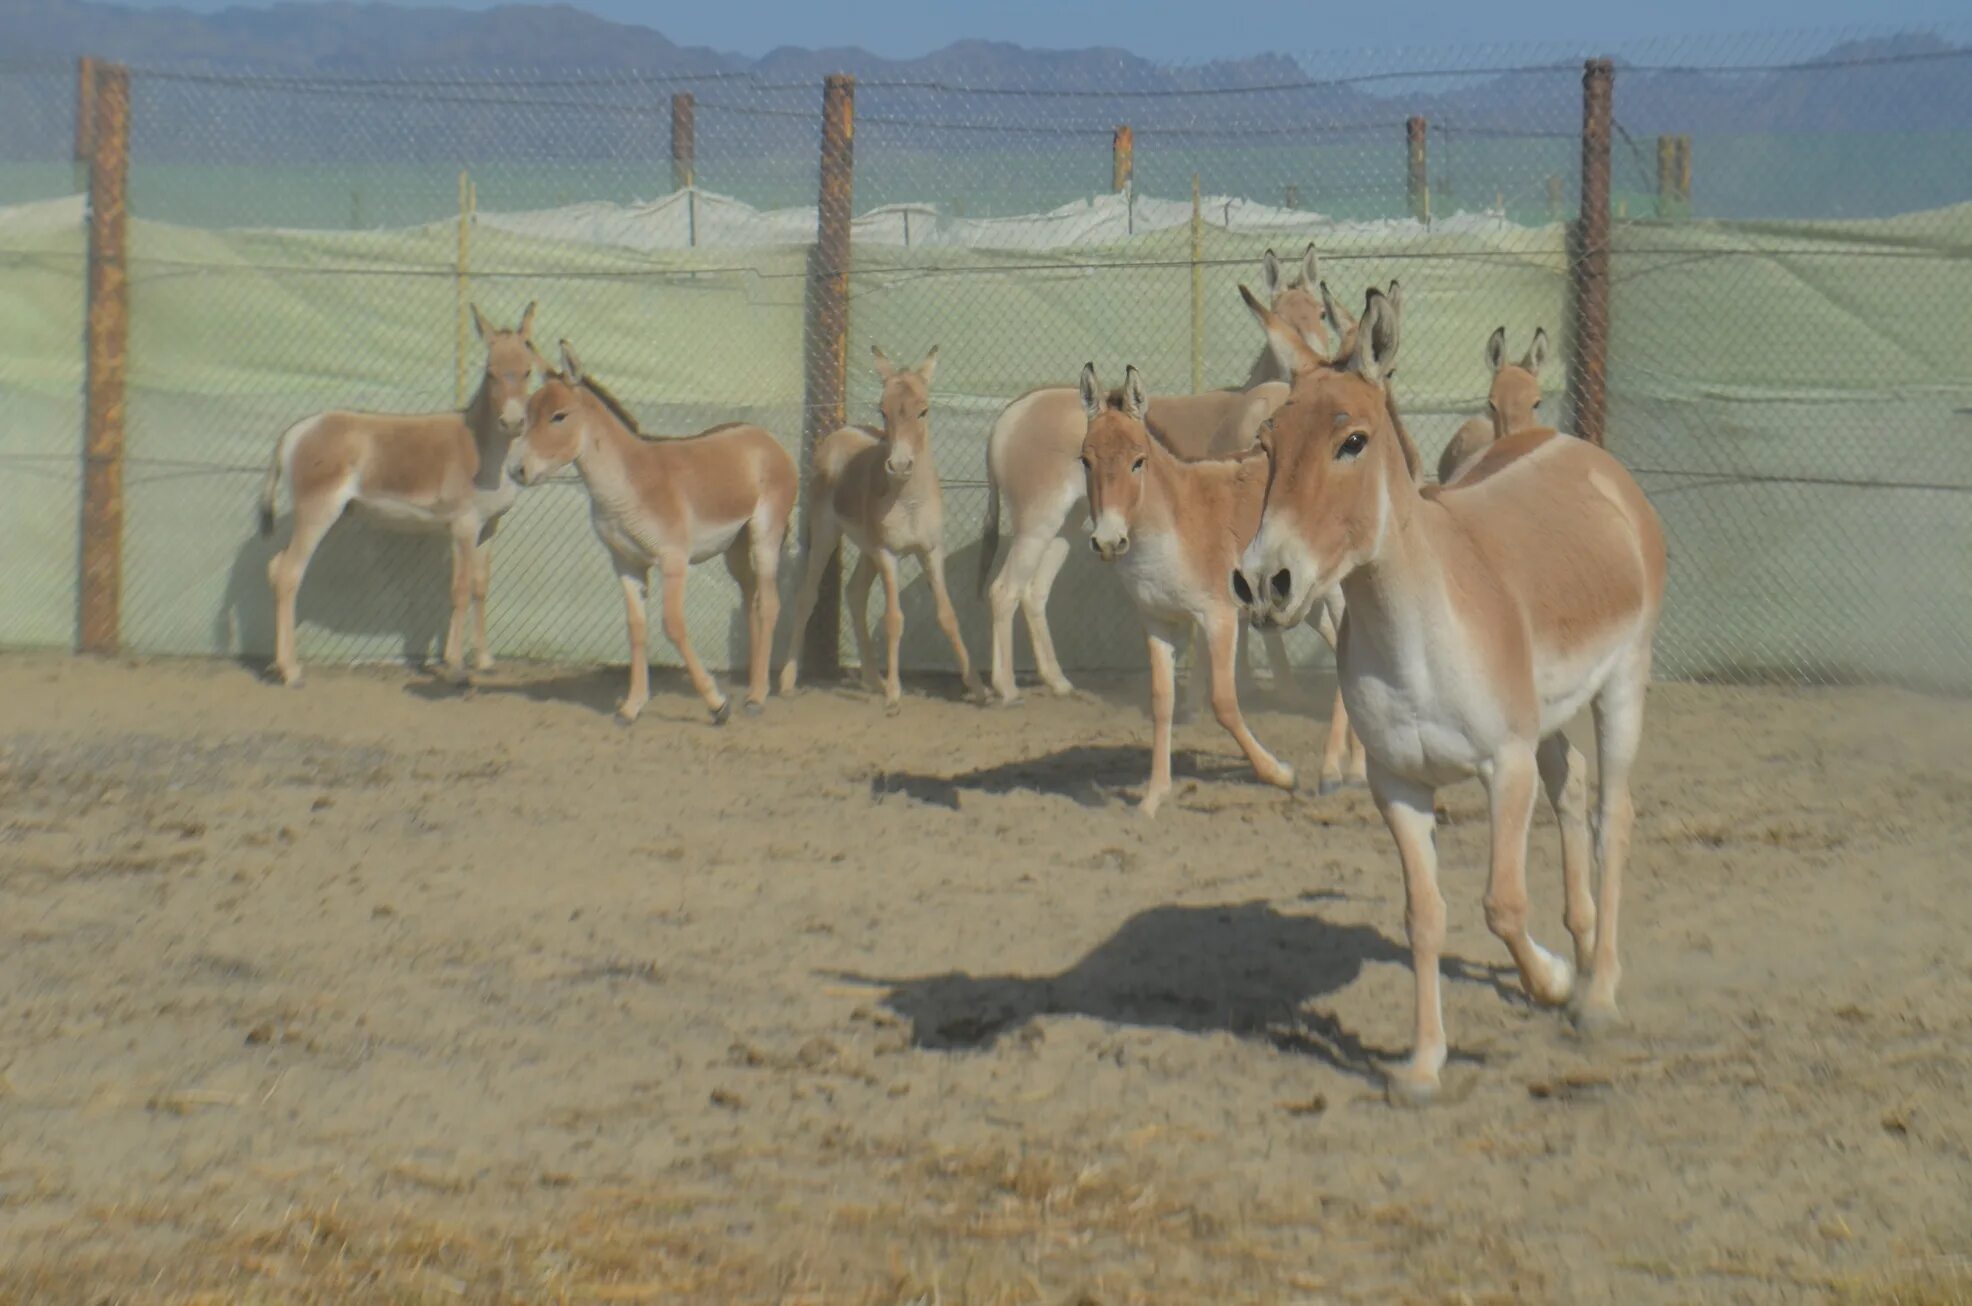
[(1197, 291), (1681, 176), (1588, 376), (684, 159), (827, 345), (684, 144), (1418, 178), (1122, 158), (107, 339), (85, 118), (462, 289), (1667, 153)]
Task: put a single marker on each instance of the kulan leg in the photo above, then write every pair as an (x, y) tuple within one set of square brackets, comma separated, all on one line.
[(856, 597), (1565, 776), (1018, 571), (1407, 810), (893, 630), (1618, 733), (825, 534), (675, 570), (465, 540), (482, 584), (764, 604), (285, 569), (1547, 978), (933, 563), (1034, 606), (1222, 636), (635, 579), (1163, 671)]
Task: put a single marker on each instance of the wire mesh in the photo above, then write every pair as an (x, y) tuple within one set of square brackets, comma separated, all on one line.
[(1788, 370)]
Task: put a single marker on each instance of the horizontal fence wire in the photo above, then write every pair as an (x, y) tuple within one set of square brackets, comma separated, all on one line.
[(1790, 251)]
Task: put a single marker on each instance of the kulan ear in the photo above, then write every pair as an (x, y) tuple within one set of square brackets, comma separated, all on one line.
[(1387, 331), (1135, 402), (1496, 349), (929, 367), (1361, 358), (1290, 351), (571, 366), (480, 324), (1537, 352), (885, 369), (1338, 317), (1270, 275), (1091, 392), (1310, 267), (526, 328)]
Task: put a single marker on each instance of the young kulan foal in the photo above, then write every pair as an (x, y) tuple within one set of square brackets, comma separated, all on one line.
[(1173, 528), (1481, 617), (880, 488), (1030, 462), (668, 504), (1510, 405), (424, 472)]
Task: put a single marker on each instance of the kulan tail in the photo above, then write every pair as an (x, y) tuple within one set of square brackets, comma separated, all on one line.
[(270, 484), (989, 540)]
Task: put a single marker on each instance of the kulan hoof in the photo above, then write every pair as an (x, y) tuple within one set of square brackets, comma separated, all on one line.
[(721, 713), (283, 677), (1330, 784), (1594, 1020), (1406, 1088), (894, 707), (752, 708)]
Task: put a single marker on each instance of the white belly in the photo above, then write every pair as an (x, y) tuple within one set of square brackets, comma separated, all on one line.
[(397, 515), (709, 541)]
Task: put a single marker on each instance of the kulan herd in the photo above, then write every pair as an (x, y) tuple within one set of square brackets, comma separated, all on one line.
[(1472, 618)]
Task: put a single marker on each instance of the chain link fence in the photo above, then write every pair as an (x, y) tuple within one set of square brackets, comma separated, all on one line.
[(1789, 368)]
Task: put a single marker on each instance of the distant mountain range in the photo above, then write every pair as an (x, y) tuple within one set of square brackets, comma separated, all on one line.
[(549, 104), (1898, 83)]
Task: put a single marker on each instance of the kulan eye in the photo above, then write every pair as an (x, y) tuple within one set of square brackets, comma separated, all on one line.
[(560, 417), (925, 413), (1352, 445), (1137, 466), (1087, 466)]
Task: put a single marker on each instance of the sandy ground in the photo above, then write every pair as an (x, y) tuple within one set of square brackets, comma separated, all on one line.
[(372, 991)]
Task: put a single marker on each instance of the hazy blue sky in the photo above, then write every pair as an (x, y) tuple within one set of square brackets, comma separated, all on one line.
[(1210, 28)]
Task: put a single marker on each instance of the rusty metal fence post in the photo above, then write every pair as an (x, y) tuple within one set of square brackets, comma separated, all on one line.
[(1588, 376), (85, 118), (107, 339), (1417, 184), (827, 345), (684, 159), (1681, 176)]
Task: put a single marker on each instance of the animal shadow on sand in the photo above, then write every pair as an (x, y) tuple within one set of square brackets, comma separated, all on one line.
[(382, 588), (1243, 968), (1090, 775)]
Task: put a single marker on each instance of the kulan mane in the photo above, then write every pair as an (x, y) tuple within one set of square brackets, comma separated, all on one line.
[(611, 402)]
